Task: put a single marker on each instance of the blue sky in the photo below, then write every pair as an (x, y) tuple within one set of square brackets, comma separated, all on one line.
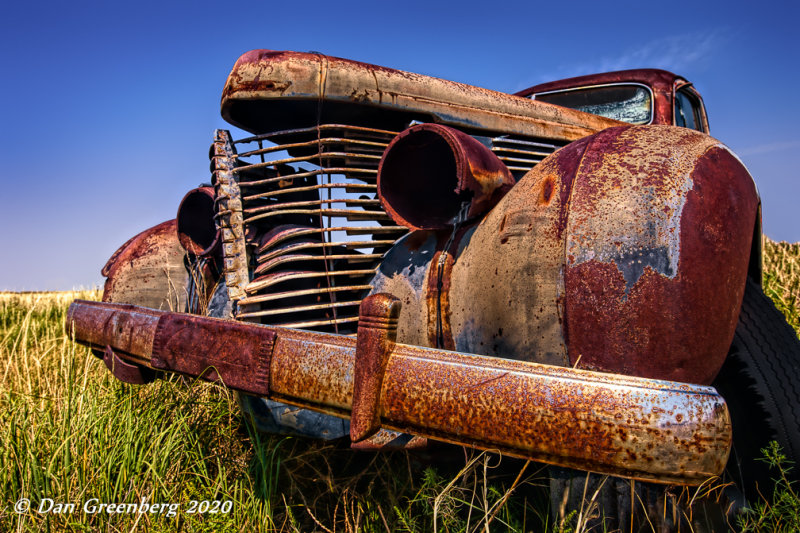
[(109, 108)]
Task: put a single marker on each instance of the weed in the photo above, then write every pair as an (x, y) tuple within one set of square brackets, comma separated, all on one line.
[(781, 512)]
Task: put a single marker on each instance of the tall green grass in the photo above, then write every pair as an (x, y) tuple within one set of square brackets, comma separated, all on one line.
[(69, 432), (780, 513)]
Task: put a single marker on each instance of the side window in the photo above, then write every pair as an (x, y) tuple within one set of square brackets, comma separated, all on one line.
[(687, 111)]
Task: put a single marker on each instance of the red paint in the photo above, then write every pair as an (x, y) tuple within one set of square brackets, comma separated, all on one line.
[(680, 328)]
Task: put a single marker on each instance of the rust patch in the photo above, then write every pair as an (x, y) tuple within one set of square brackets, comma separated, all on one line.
[(567, 161), (113, 259), (377, 333), (149, 270), (547, 190), (437, 298), (655, 276), (235, 353), (144, 244), (387, 440), (437, 288)]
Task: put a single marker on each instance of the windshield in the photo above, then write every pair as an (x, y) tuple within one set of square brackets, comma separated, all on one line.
[(628, 103)]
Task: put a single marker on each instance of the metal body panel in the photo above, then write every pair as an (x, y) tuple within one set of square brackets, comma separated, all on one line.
[(403, 273), (506, 296), (149, 270), (300, 82), (658, 241)]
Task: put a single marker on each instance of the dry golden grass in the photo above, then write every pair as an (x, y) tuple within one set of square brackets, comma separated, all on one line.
[(782, 278)]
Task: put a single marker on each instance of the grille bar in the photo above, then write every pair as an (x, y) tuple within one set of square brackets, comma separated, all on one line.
[(521, 155), (318, 172), (313, 245), (279, 295), (328, 140), (299, 309), (349, 187), (349, 214), (308, 158), (284, 260), (352, 321), (342, 229), (307, 203), (282, 277)]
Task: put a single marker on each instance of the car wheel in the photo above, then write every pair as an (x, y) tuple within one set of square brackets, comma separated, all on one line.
[(760, 380)]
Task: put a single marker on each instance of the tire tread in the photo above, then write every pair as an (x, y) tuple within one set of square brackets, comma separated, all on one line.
[(769, 351)]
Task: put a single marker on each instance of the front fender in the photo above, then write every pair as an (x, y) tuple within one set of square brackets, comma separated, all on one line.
[(657, 251), (149, 270)]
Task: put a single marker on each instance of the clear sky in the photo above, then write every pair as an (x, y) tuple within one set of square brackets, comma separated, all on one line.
[(109, 107)]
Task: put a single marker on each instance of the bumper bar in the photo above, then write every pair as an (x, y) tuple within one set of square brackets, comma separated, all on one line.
[(660, 431)]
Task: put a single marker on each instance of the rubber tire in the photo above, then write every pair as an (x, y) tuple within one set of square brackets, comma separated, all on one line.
[(760, 381)]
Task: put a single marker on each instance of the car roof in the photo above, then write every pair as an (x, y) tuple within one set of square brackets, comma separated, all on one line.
[(656, 78)]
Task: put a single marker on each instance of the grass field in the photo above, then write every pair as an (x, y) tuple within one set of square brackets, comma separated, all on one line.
[(72, 434)]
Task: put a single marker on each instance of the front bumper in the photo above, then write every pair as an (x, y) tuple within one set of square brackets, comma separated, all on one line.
[(660, 431)]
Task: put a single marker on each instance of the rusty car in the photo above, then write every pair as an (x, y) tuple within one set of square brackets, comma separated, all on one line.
[(569, 274)]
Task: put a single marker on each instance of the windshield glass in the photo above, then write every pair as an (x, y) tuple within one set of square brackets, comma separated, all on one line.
[(628, 103)]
